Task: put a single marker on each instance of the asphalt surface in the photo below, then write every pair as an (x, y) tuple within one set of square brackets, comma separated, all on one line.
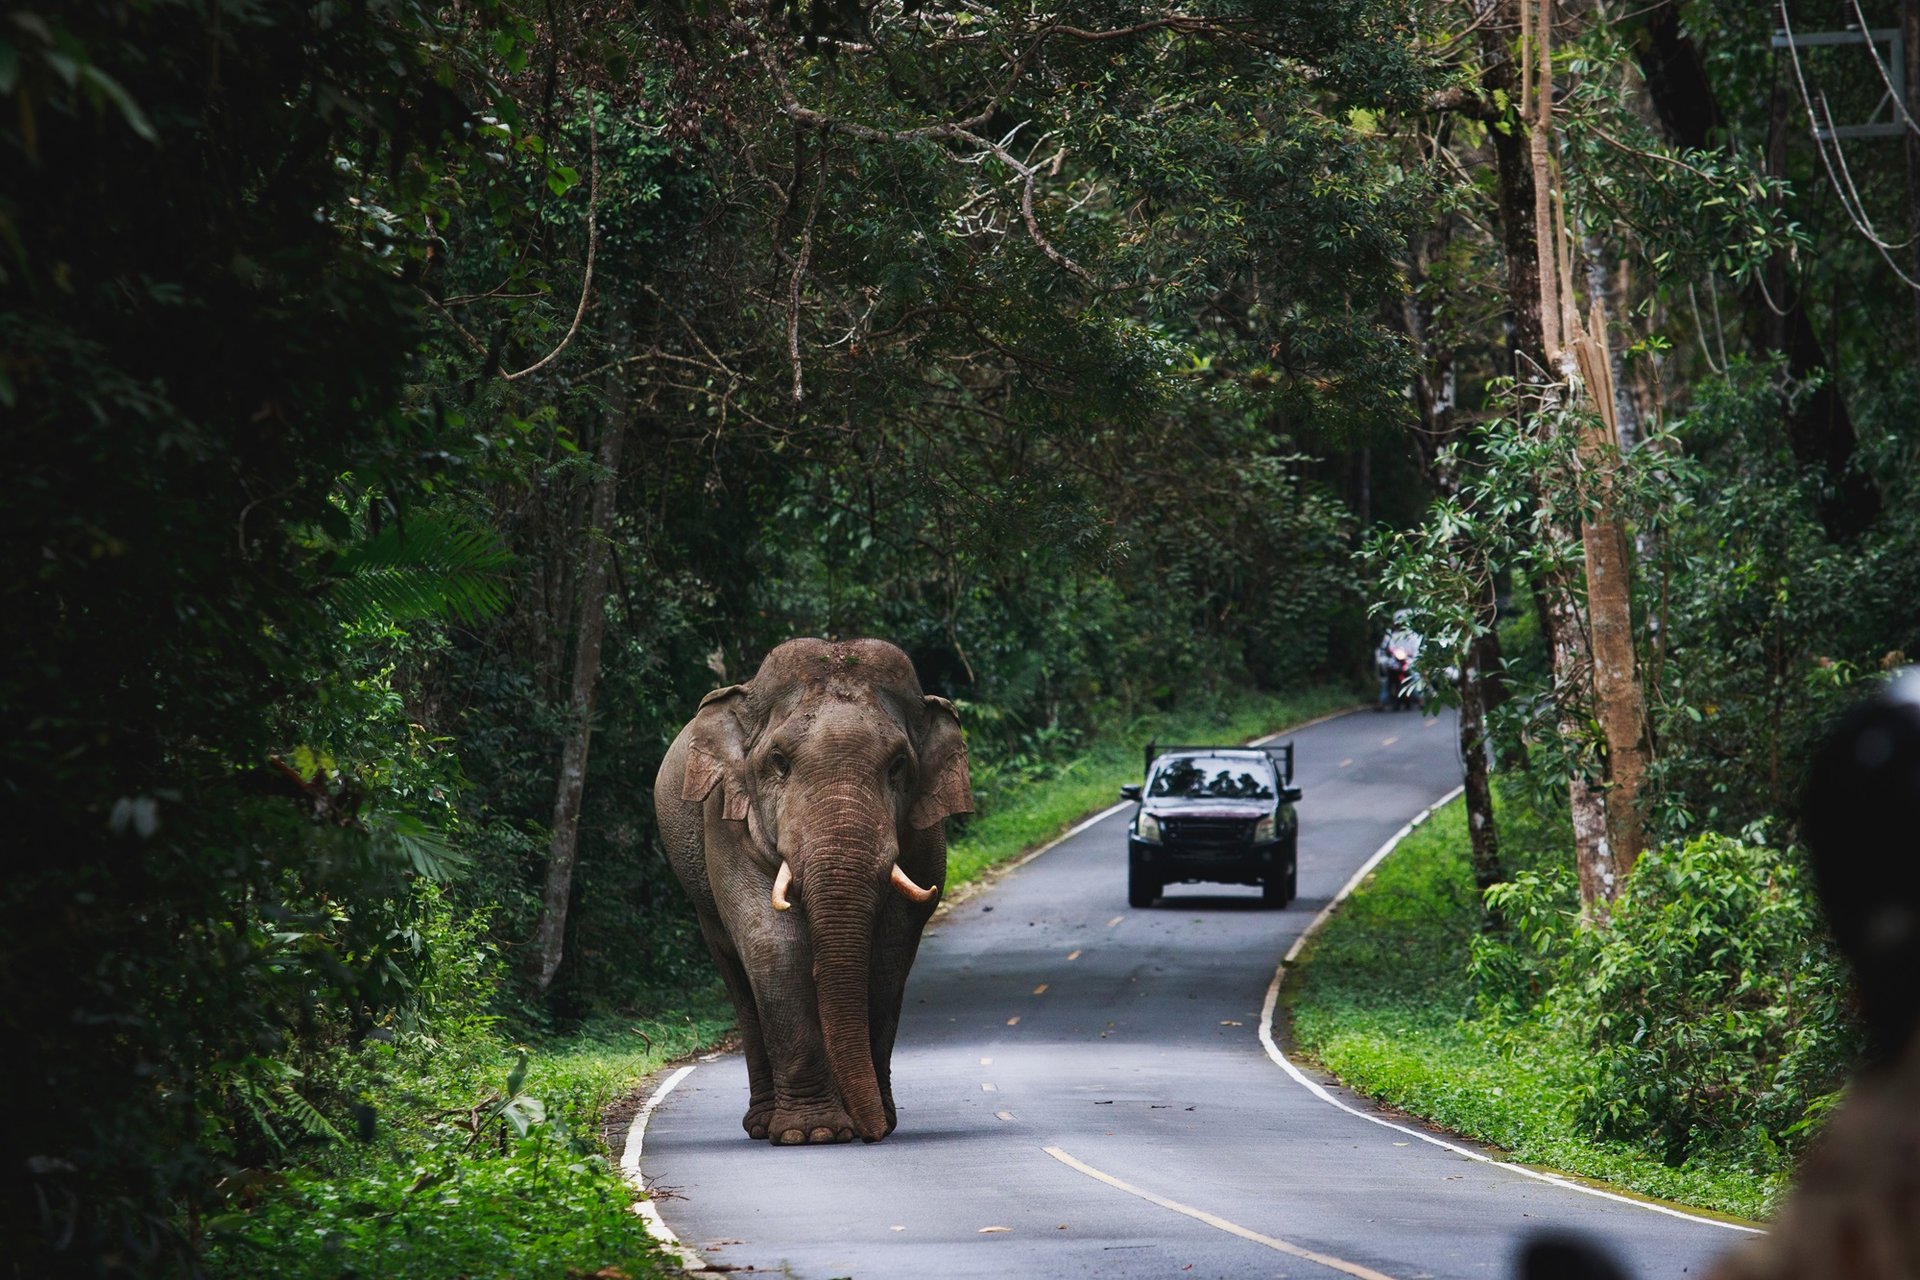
[(1082, 1092)]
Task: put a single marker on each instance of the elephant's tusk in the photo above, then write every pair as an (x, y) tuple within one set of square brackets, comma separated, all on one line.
[(908, 889), (780, 883)]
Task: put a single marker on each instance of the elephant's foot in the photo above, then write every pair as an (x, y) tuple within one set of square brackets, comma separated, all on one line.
[(758, 1122), (798, 1126)]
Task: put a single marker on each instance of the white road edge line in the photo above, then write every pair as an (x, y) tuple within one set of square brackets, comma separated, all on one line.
[(649, 1212), (1231, 1228), (1313, 1086)]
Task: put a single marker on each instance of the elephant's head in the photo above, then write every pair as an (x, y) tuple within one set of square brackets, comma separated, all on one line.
[(834, 761)]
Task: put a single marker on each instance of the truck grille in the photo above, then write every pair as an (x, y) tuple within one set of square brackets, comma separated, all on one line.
[(1209, 831)]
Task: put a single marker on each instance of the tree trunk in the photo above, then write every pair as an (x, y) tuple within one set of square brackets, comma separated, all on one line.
[(1626, 413), (1606, 822), (549, 938), (1483, 836), (1500, 79), (1616, 684)]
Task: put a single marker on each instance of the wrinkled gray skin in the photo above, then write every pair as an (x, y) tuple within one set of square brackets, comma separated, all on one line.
[(833, 760)]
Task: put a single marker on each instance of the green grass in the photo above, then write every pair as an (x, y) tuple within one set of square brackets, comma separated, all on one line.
[(1035, 813), (1382, 999)]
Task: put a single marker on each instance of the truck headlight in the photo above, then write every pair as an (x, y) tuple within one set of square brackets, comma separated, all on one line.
[(1263, 830), (1147, 829)]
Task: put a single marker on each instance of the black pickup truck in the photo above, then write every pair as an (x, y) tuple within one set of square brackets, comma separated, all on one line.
[(1219, 814)]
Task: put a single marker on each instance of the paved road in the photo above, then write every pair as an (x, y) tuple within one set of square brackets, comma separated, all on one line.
[(1082, 1092)]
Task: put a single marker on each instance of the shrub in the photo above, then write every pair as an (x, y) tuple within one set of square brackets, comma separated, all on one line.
[(1712, 1010)]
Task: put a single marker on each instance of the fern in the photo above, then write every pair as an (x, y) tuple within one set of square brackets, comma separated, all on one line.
[(307, 1116), (434, 566)]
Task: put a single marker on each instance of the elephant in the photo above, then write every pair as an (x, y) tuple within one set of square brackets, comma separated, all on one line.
[(804, 812)]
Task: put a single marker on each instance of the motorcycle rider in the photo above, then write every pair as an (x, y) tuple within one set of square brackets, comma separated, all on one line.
[(1393, 660)]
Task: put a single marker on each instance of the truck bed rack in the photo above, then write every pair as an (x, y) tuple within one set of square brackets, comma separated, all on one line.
[(1280, 752)]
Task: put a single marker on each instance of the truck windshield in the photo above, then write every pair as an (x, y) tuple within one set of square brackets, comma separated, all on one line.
[(1211, 778)]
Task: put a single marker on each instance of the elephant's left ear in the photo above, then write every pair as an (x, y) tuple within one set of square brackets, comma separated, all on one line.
[(945, 787), (716, 752)]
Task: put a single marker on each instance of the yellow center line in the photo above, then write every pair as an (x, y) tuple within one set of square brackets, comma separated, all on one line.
[(1014, 1021), (1346, 762), (987, 1086), (1040, 990), (1073, 955), (1387, 742), (1116, 920), (986, 1062), (1003, 1115), (1219, 1223)]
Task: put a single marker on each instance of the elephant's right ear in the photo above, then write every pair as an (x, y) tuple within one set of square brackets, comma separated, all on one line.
[(717, 750)]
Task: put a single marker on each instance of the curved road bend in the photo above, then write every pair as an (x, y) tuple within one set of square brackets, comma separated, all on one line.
[(1082, 1092)]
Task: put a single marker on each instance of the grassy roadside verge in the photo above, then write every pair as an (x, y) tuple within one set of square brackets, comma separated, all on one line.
[(487, 1155), (1383, 999)]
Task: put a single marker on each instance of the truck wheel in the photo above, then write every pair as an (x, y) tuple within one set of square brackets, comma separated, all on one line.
[(1142, 888), (1283, 884)]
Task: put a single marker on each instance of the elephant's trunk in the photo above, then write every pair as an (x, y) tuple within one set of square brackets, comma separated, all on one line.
[(843, 880), (842, 926)]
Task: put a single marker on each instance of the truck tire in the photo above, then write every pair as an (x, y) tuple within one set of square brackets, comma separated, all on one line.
[(1142, 888), (1283, 884)]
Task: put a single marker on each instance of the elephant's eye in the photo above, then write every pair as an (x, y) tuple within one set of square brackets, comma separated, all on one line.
[(897, 771), (779, 762)]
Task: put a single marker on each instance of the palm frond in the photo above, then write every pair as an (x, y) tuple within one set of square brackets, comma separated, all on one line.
[(435, 565)]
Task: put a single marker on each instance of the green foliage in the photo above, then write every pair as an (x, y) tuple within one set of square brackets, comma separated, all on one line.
[(1709, 1013), (431, 566), (1525, 1040), (1766, 623), (485, 1160)]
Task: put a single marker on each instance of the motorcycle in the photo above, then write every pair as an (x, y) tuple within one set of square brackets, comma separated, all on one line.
[(1393, 662)]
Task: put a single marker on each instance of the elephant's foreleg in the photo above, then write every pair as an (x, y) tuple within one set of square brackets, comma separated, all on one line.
[(807, 1106), (760, 1091)]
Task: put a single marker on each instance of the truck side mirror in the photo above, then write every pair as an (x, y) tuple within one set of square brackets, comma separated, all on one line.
[(1289, 794), (1130, 792)]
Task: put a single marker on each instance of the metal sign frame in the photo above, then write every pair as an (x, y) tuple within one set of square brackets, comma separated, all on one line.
[(1891, 104)]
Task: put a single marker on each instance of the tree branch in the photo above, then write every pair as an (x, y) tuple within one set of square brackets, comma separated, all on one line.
[(593, 239)]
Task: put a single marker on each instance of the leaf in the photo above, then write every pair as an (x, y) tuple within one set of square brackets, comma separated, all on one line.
[(523, 1113), (100, 85), (307, 1116), (432, 566), (517, 1076), (405, 837)]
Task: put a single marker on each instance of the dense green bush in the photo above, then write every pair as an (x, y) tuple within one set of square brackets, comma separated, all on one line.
[(1707, 1011)]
